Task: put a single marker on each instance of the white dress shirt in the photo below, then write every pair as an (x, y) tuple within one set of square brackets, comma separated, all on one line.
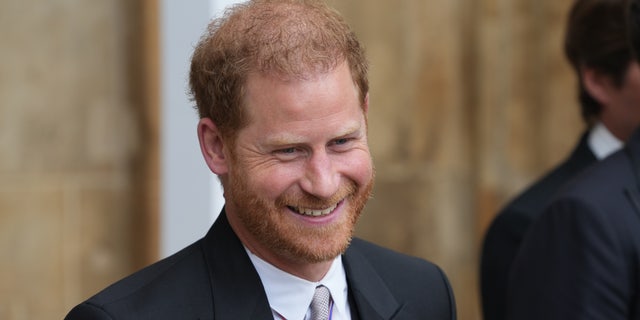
[(602, 142), (290, 296)]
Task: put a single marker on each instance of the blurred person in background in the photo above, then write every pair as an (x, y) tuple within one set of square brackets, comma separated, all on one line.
[(581, 259), (596, 46)]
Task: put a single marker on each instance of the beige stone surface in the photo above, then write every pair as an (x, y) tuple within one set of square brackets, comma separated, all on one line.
[(69, 138), (31, 222)]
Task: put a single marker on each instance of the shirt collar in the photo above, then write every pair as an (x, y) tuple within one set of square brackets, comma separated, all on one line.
[(602, 142), (290, 296)]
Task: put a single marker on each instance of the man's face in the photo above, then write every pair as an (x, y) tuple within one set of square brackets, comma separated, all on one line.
[(627, 101), (300, 172)]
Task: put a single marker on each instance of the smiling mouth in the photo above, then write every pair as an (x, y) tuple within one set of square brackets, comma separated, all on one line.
[(314, 212)]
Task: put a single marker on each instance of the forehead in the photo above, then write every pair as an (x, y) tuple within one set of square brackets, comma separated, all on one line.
[(268, 97)]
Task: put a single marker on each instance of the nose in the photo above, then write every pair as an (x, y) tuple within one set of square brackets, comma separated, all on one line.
[(321, 178)]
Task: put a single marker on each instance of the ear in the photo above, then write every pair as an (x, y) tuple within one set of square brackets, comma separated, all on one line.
[(212, 146), (598, 85)]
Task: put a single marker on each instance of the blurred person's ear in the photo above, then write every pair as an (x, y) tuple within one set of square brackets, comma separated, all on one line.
[(599, 85)]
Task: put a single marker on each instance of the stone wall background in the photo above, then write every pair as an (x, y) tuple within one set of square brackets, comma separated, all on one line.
[(73, 141), (470, 102)]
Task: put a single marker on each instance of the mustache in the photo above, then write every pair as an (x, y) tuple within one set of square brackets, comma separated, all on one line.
[(306, 200)]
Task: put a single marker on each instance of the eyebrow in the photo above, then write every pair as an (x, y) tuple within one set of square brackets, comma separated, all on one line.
[(281, 139)]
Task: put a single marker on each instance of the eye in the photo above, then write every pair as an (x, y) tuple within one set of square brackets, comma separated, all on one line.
[(341, 141), (286, 151), (287, 154)]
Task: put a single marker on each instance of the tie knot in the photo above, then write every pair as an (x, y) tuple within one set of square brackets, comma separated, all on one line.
[(320, 303)]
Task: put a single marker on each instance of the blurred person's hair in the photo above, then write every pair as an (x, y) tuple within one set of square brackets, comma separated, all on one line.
[(634, 27), (596, 38)]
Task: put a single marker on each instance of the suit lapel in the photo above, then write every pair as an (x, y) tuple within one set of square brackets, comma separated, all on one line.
[(236, 287), (373, 299), (632, 150), (582, 156)]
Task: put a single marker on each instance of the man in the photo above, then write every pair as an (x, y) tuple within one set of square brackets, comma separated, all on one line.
[(282, 92), (581, 259), (596, 46)]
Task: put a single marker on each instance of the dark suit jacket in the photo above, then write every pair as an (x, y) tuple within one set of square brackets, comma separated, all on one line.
[(507, 230), (214, 279), (581, 258)]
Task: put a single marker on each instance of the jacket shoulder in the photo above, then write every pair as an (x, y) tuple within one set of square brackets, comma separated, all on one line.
[(171, 288)]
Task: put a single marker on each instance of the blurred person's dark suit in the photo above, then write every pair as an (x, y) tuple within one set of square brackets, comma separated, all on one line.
[(504, 237), (581, 259)]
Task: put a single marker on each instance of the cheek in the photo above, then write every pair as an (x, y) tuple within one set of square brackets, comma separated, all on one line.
[(273, 182), (360, 168), (636, 95), (634, 86), (633, 99)]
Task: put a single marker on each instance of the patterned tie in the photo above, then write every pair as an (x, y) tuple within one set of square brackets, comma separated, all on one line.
[(320, 303)]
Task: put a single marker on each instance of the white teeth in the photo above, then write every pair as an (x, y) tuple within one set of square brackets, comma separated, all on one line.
[(316, 213)]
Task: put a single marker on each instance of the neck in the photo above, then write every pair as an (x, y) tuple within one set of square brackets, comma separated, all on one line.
[(310, 271), (620, 129)]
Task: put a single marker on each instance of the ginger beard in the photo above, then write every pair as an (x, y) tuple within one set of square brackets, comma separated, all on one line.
[(282, 232)]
